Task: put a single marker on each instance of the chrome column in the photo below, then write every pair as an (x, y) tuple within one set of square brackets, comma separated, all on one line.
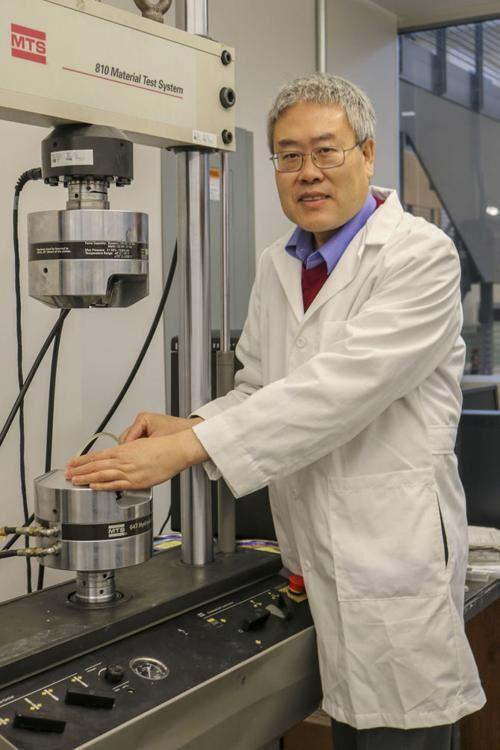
[(321, 36), (195, 329), (226, 532)]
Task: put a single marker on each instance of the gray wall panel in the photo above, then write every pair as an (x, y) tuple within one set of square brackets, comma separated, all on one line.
[(459, 150)]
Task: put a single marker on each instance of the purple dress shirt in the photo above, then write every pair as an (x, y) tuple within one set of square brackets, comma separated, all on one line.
[(301, 243)]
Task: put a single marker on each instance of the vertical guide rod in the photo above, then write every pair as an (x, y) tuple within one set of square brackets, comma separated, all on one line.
[(225, 328), (226, 527), (195, 329), (321, 36)]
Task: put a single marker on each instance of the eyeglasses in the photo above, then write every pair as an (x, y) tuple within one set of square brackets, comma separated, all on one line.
[(324, 157)]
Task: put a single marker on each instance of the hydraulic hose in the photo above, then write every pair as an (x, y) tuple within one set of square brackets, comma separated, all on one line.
[(31, 174), (30, 552), (50, 423), (142, 353), (36, 364), (22, 394)]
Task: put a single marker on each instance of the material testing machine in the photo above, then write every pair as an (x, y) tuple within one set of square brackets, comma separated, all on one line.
[(183, 648)]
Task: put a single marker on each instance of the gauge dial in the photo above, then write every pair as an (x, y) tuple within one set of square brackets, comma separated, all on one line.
[(149, 669)]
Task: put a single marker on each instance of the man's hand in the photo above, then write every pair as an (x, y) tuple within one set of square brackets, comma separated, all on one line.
[(147, 424), (137, 465)]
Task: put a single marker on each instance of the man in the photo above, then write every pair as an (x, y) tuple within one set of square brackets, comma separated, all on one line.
[(347, 407)]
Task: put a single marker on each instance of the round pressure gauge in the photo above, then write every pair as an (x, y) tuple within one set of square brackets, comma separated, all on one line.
[(149, 669)]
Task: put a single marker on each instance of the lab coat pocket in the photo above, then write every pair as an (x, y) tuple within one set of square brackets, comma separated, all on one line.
[(386, 535)]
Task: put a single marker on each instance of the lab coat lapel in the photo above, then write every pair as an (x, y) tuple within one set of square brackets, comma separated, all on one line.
[(290, 273), (376, 232), (342, 275)]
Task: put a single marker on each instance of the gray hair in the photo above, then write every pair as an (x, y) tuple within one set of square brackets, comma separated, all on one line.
[(323, 88)]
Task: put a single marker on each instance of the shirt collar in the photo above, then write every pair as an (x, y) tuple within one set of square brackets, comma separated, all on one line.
[(301, 243)]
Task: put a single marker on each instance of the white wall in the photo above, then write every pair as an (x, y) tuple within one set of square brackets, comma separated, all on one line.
[(275, 42), (362, 46)]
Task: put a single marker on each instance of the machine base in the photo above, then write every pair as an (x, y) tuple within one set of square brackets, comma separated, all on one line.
[(44, 629)]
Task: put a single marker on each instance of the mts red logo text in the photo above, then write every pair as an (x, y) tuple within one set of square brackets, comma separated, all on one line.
[(29, 44)]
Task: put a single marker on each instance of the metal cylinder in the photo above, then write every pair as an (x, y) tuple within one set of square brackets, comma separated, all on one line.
[(321, 36), (98, 531), (194, 344), (88, 193), (95, 588), (226, 504), (78, 151), (226, 515), (88, 257), (225, 339), (195, 331)]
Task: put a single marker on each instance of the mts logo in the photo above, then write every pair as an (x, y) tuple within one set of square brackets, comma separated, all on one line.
[(116, 529), (29, 44)]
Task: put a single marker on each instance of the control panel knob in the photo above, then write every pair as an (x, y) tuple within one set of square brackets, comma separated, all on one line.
[(257, 619), (114, 674)]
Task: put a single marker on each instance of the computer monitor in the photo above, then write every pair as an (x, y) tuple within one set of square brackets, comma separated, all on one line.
[(478, 452), (481, 397)]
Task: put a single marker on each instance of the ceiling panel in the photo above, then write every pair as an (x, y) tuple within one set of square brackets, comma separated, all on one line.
[(420, 13)]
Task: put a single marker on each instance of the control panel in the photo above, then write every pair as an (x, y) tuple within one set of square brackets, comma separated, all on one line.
[(75, 702)]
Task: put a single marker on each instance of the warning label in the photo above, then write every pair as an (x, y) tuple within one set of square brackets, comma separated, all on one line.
[(104, 531), (88, 249)]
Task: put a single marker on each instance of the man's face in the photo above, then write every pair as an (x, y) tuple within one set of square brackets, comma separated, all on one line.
[(317, 200)]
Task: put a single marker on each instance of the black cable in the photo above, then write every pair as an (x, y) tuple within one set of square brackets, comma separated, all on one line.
[(32, 174), (14, 539), (8, 553), (41, 577), (167, 519), (52, 392), (22, 394), (50, 423), (145, 347), (142, 354), (36, 364)]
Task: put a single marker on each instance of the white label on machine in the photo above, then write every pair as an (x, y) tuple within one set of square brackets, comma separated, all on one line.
[(82, 157), (214, 183), (205, 139)]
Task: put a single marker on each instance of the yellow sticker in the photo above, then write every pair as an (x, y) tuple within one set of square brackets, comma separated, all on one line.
[(169, 545), (272, 550), (294, 597)]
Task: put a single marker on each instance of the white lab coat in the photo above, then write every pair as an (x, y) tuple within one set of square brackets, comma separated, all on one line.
[(349, 413)]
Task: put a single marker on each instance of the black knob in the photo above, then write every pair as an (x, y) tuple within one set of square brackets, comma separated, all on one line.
[(257, 619), (227, 97), (114, 674), (226, 57), (38, 723), (285, 605), (227, 137)]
